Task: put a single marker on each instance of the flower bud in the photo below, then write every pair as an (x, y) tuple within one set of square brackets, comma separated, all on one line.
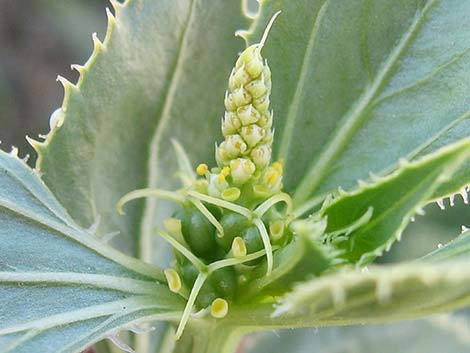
[(261, 156), (242, 170), (266, 120), (238, 77), (252, 60), (261, 103), (257, 88), (253, 134), (221, 155), (248, 115), (240, 97), (234, 145), (229, 103), (231, 123)]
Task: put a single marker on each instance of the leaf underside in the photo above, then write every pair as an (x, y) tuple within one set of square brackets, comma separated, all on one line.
[(61, 287)]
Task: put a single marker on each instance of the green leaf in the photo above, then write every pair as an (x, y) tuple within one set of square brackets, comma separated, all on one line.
[(457, 249), (359, 84), (442, 333), (394, 199), (160, 73), (379, 294), (62, 288)]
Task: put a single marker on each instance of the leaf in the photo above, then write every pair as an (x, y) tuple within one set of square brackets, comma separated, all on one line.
[(160, 73), (61, 288), (441, 333), (381, 294), (359, 84), (394, 199), (457, 249)]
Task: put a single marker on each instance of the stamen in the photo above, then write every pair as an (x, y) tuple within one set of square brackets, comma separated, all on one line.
[(231, 194), (201, 278), (183, 250), (267, 244), (236, 261), (266, 205), (203, 209), (238, 247), (202, 169), (276, 229), (173, 279), (219, 308), (158, 193), (221, 203)]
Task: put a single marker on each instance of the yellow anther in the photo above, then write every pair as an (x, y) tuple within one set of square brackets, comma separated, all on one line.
[(173, 279), (278, 165), (261, 191), (276, 230), (173, 226), (231, 194), (223, 174), (238, 247), (272, 177), (219, 308), (202, 169)]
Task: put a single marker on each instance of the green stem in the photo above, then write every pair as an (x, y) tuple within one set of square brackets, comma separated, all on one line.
[(209, 337)]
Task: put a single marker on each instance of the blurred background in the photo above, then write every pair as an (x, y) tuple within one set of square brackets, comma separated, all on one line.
[(39, 39)]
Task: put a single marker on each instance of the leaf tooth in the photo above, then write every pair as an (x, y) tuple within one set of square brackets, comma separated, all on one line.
[(463, 229), (420, 211), (451, 200), (338, 294), (341, 191), (403, 163), (383, 291), (14, 151), (113, 337), (440, 203), (412, 219), (463, 193), (97, 44), (116, 5), (36, 145), (374, 177), (362, 183), (25, 159), (79, 68)]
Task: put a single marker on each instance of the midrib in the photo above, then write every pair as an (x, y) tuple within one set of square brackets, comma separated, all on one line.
[(145, 250), (355, 117), (294, 106)]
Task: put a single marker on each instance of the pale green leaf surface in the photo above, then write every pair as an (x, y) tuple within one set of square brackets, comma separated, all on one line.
[(60, 286), (359, 84), (380, 294), (442, 333), (394, 199), (160, 74)]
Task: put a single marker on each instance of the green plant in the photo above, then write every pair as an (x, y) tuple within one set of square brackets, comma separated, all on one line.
[(361, 90)]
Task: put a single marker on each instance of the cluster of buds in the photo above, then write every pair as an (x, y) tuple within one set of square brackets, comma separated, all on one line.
[(245, 154)]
